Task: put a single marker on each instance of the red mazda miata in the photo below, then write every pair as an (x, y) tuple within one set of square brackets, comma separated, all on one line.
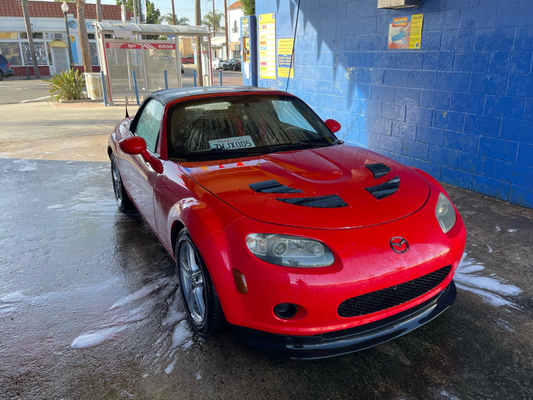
[(308, 247)]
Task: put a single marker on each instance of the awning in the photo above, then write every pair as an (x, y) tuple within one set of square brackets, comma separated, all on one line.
[(122, 29), (58, 43)]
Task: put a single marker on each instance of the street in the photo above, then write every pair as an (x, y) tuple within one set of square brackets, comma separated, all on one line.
[(13, 91), (16, 91)]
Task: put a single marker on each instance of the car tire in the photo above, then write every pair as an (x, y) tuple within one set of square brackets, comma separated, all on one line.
[(1, 76), (124, 202), (197, 291), (234, 68)]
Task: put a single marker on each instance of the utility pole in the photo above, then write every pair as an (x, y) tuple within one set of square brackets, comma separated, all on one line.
[(98, 10), (141, 19), (135, 11), (30, 38), (226, 27), (173, 14), (214, 24), (198, 21), (84, 39)]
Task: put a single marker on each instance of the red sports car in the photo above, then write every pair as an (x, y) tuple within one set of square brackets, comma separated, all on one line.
[(308, 247), (187, 60)]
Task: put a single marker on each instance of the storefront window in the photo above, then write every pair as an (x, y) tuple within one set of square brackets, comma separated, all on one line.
[(40, 53), (36, 35), (11, 50), (94, 55), (49, 52)]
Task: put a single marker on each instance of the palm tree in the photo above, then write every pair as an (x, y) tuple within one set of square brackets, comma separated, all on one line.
[(208, 21), (167, 19), (84, 38), (30, 38)]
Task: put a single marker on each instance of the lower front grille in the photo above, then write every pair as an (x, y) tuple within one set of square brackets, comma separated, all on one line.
[(392, 296)]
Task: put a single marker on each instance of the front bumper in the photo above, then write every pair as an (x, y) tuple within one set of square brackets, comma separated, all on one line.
[(8, 72), (349, 340)]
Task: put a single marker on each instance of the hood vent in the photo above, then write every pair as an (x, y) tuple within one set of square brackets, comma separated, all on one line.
[(385, 189), (272, 187), (378, 170), (332, 201)]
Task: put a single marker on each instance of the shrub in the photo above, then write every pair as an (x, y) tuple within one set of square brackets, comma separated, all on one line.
[(66, 86)]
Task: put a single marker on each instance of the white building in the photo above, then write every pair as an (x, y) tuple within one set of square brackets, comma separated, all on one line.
[(235, 13)]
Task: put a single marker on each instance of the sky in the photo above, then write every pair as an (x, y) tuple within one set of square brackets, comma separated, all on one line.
[(184, 8)]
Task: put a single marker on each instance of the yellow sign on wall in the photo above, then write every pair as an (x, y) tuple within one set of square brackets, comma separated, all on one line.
[(267, 46), (285, 48), (416, 31), (8, 35)]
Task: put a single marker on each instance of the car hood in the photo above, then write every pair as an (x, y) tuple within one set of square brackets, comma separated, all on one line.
[(338, 172)]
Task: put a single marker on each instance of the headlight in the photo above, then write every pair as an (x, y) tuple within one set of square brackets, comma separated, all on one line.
[(445, 213), (289, 251)]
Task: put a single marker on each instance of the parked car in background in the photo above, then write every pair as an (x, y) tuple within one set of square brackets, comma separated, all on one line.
[(5, 68), (222, 64), (233, 64), (187, 60), (306, 246), (218, 63)]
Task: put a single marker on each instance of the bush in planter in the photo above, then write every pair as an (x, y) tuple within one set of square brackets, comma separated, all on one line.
[(67, 85)]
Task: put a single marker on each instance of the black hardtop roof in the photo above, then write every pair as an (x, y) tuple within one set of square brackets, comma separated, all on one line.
[(167, 95)]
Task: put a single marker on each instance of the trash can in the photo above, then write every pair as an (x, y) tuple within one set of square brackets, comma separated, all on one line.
[(93, 82)]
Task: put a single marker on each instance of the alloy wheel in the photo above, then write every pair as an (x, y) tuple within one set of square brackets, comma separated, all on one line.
[(117, 183), (193, 282)]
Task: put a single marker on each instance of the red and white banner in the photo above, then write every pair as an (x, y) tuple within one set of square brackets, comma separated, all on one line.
[(138, 46)]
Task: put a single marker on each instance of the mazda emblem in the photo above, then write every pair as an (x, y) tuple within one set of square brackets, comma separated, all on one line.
[(399, 245)]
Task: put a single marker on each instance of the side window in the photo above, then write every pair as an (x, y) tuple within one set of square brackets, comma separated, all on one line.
[(150, 123)]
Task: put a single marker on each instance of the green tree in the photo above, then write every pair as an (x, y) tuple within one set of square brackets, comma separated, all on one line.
[(153, 14), (167, 19), (208, 21), (248, 7)]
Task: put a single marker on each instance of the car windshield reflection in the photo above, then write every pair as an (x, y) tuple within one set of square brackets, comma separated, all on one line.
[(239, 126)]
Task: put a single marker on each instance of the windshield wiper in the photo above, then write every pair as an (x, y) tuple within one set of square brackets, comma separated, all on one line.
[(297, 145), (216, 150)]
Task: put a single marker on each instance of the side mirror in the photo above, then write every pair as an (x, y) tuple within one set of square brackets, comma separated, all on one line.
[(333, 125), (135, 145)]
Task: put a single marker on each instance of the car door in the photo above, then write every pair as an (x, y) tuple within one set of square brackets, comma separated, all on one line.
[(138, 175)]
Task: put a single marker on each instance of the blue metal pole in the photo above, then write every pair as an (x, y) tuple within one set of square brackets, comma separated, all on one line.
[(166, 79), (104, 92), (220, 77), (194, 77), (135, 86)]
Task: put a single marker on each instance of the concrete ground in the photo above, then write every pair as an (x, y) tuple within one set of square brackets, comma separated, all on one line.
[(89, 308)]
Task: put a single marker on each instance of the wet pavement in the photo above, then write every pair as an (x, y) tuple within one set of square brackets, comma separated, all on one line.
[(89, 310)]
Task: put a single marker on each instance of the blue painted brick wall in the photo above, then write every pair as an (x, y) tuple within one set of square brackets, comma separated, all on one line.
[(461, 108)]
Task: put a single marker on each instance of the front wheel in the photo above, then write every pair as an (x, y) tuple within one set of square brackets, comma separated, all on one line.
[(124, 202), (1, 76), (197, 290)]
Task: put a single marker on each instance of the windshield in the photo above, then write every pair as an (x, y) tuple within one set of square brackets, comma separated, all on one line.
[(225, 127)]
